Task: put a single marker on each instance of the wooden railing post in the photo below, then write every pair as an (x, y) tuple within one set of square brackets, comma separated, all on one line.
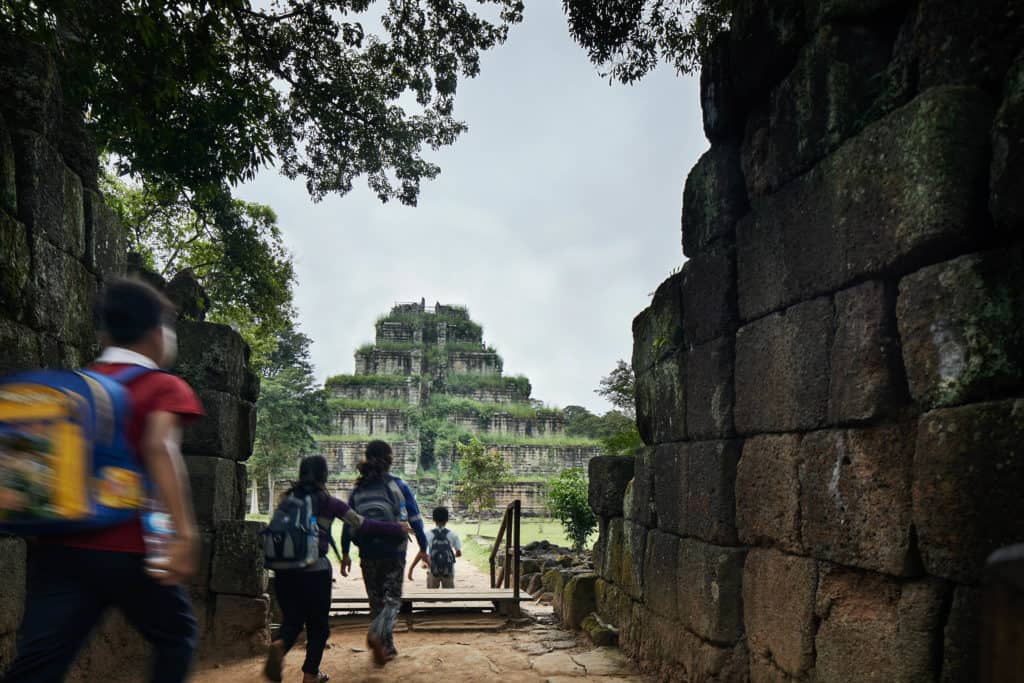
[(517, 514)]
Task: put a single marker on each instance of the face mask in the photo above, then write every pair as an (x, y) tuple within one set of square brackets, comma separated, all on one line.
[(170, 347)]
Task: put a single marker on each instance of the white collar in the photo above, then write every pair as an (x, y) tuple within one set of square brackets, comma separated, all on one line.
[(119, 355)]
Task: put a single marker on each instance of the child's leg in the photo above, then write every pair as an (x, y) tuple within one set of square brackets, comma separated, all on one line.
[(162, 614), (448, 582), (433, 581), (60, 611), (318, 627)]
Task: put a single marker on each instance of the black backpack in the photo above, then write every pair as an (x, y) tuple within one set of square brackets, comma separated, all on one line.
[(442, 557), (379, 500), (291, 540)]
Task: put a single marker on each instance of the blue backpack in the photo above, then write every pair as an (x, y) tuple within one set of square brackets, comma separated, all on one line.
[(65, 462)]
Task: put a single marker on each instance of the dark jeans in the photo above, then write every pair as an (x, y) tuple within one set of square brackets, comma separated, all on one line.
[(383, 580), (69, 589), (305, 599)]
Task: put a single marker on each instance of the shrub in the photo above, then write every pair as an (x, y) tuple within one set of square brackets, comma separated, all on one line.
[(569, 502)]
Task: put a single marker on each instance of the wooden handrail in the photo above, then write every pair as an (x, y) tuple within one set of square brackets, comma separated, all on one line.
[(509, 533)]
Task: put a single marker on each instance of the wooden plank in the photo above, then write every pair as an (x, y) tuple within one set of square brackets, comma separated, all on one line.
[(446, 596)]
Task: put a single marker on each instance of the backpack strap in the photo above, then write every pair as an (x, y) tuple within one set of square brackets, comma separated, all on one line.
[(132, 373)]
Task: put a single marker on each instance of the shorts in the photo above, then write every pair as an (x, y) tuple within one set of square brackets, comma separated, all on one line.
[(440, 581)]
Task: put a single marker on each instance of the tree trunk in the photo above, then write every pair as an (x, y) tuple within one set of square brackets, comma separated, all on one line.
[(254, 499), (479, 519), (270, 490)]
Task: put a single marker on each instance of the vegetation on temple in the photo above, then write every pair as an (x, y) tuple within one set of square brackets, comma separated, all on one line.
[(463, 384), (339, 381)]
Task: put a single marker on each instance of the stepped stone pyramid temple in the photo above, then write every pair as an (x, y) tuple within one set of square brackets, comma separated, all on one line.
[(429, 382)]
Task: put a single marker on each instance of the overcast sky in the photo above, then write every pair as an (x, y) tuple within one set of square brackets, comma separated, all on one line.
[(554, 218)]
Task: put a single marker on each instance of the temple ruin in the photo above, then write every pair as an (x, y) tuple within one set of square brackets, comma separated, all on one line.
[(429, 381)]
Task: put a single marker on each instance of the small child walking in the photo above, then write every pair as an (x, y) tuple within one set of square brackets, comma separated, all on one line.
[(443, 546)]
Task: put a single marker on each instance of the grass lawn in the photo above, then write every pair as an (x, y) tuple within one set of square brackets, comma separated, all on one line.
[(478, 549)]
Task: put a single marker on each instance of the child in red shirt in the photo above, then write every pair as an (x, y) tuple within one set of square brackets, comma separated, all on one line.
[(73, 580)]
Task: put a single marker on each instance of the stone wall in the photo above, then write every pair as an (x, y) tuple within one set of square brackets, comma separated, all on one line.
[(831, 389), (533, 460), (491, 395), (381, 362), (409, 392), (509, 425), (59, 242), (474, 363), (343, 456), (370, 422)]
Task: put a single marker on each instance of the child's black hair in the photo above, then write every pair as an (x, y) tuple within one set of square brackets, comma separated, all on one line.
[(441, 515), (130, 308)]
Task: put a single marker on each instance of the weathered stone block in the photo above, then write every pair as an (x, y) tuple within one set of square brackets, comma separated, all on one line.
[(855, 497), (608, 477), (12, 591), (962, 637), (667, 649), (723, 117), (213, 488), (622, 557), (14, 277), (823, 100), (113, 649), (709, 295), (866, 378), (613, 605), (19, 347), (106, 248), (240, 625), (710, 588), (212, 357), (241, 491), (199, 585), (658, 329), (962, 326), (714, 198), (768, 492), (638, 503), (669, 483), (62, 294), (778, 608), (8, 182), (709, 501), (709, 389), (227, 430), (965, 43), (660, 579), (855, 215), (30, 75), (782, 369), (766, 38), (694, 489), (968, 477), (49, 194), (238, 559), (1006, 181), (661, 401), (579, 599), (876, 629)]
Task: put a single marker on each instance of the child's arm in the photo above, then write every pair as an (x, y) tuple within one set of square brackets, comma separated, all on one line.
[(161, 453), (413, 566)]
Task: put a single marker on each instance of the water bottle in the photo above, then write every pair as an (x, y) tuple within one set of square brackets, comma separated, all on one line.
[(403, 513), (157, 531)]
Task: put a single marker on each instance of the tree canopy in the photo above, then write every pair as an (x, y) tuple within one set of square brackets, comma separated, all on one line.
[(198, 93), (234, 248), (569, 502), (481, 472), (291, 408), (628, 38)]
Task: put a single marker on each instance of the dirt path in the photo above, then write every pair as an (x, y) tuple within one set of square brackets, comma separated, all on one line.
[(538, 652), (467, 577)]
